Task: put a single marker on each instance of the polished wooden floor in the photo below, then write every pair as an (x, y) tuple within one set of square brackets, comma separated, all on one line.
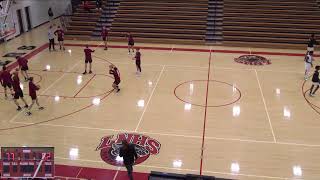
[(187, 98)]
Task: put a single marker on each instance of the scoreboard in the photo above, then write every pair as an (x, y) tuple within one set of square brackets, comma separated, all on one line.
[(27, 162)]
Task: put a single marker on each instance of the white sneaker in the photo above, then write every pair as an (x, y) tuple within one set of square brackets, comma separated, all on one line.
[(312, 95)]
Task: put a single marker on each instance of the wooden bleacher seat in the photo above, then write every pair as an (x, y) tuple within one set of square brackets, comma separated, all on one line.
[(83, 22), (166, 21), (272, 23)]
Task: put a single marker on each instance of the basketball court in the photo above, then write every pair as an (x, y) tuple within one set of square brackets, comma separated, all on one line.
[(246, 121)]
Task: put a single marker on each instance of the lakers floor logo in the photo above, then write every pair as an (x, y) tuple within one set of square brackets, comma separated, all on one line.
[(110, 146)]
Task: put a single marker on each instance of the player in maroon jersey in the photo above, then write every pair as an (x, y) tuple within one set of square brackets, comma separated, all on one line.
[(88, 59), (116, 74), (104, 35), (33, 94), (6, 81), (130, 42), (138, 60), (23, 65), (18, 93), (60, 33), (86, 5)]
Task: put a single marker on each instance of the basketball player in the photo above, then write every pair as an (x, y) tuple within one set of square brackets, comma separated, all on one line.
[(315, 81), (51, 39), (17, 90), (33, 94), (308, 64), (130, 42), (88, 59), (60, 33), (104, 35), (6, 81), (138, 60), (23, 65), (116, 74), (312, 43), (86, 5)]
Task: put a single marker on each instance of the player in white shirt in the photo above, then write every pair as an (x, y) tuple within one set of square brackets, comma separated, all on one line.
[(51, 38), (308, 64)]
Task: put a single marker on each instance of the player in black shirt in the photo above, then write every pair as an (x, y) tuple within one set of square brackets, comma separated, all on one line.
[(138, 60), (129, 154), (312, 42), (315, 81)]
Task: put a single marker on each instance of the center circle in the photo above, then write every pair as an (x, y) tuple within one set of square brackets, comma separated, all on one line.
[(195, 92)]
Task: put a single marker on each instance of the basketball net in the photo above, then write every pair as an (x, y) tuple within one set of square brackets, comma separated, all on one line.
[(7, 24)]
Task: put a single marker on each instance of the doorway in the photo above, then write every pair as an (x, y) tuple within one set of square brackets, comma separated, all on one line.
[(20, 22), (27, 11)]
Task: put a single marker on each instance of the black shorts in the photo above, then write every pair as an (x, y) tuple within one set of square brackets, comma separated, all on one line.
[(5, 85), (60, 39), (18, 94), (116, 82), (88, 61), (104, 38), (24, 68), (131, 43), (33, 97)]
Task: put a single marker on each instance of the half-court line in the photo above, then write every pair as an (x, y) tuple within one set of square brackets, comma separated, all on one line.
[(205, 115)]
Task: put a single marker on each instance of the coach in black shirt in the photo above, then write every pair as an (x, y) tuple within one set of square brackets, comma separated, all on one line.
[(129, 154), (311, 43)]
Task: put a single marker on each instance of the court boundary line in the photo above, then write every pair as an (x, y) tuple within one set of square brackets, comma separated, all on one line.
[(186, 49), (255, 70), (182, 169), (265, 107), (75, 127), (146, 107), (177, 135), (45, 45)]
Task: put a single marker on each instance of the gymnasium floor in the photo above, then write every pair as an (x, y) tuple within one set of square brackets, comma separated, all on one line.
[(247, 122)]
